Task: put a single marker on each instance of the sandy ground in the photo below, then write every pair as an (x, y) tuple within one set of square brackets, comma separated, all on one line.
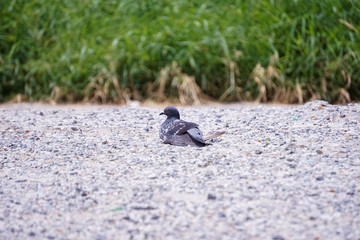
[(101, 172)]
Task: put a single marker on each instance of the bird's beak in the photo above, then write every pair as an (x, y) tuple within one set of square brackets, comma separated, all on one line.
[(162, 113)]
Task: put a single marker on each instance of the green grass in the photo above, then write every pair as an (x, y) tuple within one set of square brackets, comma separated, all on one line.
[(112, 51)]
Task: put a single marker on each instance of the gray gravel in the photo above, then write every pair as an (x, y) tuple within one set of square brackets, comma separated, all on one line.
[(101, 172)]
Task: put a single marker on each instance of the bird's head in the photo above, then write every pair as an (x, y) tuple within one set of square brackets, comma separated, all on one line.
[(171, 112)]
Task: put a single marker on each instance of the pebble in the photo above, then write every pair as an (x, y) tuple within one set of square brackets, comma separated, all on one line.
[(101, 172), (320, 178), (211, 196), (257, 151)]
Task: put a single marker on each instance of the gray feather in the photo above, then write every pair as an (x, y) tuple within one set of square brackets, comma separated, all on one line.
[(214, 135)]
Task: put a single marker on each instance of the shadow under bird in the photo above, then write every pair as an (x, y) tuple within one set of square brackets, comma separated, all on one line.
[(181, 133)]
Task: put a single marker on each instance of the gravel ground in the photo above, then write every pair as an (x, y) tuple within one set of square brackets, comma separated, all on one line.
[(101, 172)]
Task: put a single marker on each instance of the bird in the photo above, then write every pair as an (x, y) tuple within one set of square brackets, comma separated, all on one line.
[(178, 132)]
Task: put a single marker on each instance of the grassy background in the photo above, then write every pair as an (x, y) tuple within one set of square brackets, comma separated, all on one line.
[(112, 51)]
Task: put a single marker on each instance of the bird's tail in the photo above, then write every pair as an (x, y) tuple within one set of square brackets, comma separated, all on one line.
[(214, 135)]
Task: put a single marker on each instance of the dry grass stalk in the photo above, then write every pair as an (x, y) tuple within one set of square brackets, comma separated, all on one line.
[(299, 93), (265, 79), (163, 78), (186, 87), (232, 89), (344, 96), (258, 75), (56, 95), (346, 78), (95, 90), (118, 90), (348, 25), (323, 85), (19, 98), (98, 90), (189, 92)]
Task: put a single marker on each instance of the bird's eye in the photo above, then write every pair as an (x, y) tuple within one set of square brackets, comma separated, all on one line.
[(168, 110)]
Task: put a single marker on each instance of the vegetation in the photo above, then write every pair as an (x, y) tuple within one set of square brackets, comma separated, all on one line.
[(113, 51)]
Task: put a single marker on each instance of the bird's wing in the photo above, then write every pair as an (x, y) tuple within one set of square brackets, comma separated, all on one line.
[(179, 127), (196, 134)]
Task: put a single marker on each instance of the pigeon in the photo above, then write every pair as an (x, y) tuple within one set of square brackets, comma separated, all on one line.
[(181, 133)]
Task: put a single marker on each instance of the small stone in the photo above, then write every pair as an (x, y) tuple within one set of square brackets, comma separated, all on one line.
[(278, 238), (319, 152), (211, 196), (74, 128), (222, 215), (320, 178), (351, 192), (140, 208), (155, 217), (292, 165), (11, 145), (41, 114), (258, 152), (20, 180)]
